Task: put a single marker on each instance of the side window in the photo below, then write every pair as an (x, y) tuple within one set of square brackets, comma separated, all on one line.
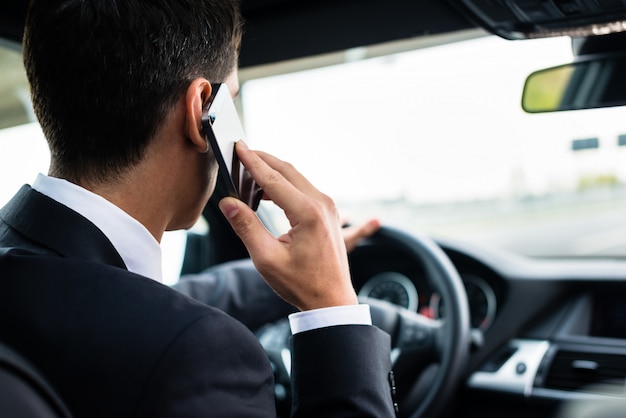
[(15, 108), (23, 150)]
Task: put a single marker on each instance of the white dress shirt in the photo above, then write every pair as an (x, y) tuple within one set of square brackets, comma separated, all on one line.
[(141, 252)]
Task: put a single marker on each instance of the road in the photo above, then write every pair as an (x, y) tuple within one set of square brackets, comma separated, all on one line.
[(588, 224)]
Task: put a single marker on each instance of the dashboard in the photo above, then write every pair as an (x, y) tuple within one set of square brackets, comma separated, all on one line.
[(551, 332), (608, 315)]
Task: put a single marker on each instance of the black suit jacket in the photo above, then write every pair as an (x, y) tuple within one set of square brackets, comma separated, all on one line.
[(237, 288), (116, 344)]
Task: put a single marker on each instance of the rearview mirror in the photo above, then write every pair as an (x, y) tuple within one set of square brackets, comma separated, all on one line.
[(590, 82)]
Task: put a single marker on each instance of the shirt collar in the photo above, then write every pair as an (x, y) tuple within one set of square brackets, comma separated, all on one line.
[(138, 248)]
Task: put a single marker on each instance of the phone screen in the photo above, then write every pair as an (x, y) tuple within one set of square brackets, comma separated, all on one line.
[(223, 129)]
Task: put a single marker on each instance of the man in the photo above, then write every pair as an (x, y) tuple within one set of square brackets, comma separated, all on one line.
[(119, 87)]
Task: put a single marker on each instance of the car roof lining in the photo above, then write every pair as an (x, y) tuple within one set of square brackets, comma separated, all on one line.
[(282, 30), (279, 30), (301, 28)]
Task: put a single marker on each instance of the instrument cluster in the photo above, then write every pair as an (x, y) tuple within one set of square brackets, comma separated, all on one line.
[(400, 290)]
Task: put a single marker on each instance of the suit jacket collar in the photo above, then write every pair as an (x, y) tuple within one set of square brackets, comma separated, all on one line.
[(57, 227)]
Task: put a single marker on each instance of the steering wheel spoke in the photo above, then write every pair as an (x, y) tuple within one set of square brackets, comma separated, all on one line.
[(417, 331)]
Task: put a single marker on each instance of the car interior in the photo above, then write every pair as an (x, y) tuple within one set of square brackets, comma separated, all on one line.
[(500, 268)]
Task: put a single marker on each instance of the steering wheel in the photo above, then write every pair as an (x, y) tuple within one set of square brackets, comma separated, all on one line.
[(428, 355)]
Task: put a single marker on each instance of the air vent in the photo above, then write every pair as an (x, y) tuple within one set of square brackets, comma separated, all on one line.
[(587, 372)]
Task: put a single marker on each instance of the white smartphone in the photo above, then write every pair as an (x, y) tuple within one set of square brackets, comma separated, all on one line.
[(223, 129)]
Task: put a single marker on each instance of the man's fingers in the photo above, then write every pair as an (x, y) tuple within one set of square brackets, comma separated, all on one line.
[(280, 181), (246, 225), (352, 235), (289, 172)]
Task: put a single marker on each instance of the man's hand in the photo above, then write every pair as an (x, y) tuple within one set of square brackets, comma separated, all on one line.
[(308, 265), (353, 234)]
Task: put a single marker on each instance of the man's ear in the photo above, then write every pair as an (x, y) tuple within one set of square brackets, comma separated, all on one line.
[(197, 94)]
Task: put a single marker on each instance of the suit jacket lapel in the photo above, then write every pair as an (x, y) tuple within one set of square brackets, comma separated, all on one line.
[(58, 227)]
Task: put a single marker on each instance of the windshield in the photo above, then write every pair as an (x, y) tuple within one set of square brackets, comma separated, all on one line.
[(432, 140), (435, 141)]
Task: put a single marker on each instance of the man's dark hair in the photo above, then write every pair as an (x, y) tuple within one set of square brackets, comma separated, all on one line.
[(103, 73)]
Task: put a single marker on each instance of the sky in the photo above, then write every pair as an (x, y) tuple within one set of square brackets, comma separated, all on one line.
[(416, 125)]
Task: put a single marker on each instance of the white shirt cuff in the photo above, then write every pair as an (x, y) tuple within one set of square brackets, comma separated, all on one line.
[(328, 317)]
